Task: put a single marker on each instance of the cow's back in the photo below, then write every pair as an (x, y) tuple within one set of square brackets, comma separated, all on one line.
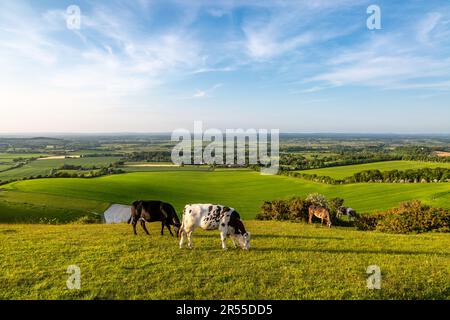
[(205, 216), (151, 210)]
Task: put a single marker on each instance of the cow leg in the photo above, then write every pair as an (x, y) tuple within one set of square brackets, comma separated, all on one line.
[(183, 235), (144, 227), (134, 227), (223, 236), (162, 228), (233, 238), (170, 230), (190, 239)]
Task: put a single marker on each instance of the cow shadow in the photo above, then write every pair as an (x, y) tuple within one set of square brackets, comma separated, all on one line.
[(281, 236), (350, 251), (271, 236), (7, 231)]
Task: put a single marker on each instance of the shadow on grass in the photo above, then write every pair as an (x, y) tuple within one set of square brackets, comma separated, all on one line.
[(351, 251), (278, 236), (6, 231), (268, 236)]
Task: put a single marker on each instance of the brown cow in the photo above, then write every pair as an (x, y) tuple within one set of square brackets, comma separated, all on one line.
[(321, 213)]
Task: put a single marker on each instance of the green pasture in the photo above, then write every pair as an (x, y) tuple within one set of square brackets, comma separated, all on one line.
[(285, 261), (342, 172), (243, 190), (43, 167)]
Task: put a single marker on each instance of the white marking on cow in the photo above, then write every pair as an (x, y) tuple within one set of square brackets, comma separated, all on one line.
[(211, 217)]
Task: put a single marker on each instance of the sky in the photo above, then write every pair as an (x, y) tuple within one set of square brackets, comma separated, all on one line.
[(156, 66)]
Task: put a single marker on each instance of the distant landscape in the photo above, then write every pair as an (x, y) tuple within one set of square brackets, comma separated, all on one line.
[(40, 176), (225, 150)]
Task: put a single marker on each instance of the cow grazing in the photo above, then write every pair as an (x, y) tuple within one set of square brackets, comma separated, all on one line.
[(321, 213), (213, 217), (344, 211), (151, 211)]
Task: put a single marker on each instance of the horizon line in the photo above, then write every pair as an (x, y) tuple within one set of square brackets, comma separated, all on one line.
[(71, 133)]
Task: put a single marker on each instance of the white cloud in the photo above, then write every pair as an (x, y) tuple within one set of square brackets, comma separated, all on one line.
[(393, 60), (206, 93), (427, 25)]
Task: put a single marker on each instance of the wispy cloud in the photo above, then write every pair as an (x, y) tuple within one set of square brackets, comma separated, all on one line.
[(200, 94), (427, 25), (390, 61), (265, 52)]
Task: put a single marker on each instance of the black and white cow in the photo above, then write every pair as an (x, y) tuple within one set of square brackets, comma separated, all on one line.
[(213, 217), (344, 211)]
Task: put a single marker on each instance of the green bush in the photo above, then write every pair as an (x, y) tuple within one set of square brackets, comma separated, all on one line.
[(88, 219), (296, 209), (410, 217), (368, 222)]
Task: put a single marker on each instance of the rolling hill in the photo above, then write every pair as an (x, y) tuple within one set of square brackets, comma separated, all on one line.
[(64, 199)]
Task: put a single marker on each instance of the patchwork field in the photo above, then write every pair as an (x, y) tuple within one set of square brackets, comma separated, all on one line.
[(243, 190), (7, 159), (43, 167), (286, 261), (342, 172)]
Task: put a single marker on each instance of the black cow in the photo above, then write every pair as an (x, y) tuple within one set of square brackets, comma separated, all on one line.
[(151, 211)]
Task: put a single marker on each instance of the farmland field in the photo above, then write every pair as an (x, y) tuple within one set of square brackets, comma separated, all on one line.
[(342, 172), (44, 166), (286, 261), (7, 159), (244, 190)]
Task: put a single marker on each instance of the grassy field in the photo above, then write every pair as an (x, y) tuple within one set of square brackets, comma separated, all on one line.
[(7, 159), (43, 167), (342, 172), (286, 261), (11, 156), (243, 190), (160, 166)]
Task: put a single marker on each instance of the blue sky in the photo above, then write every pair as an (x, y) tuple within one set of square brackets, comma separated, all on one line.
[(297, 66)]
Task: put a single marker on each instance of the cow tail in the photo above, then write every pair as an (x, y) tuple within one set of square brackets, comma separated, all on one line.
[(181, 229), (134, 212)]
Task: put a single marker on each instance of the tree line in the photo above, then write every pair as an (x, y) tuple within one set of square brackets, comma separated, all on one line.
[(424, 175)]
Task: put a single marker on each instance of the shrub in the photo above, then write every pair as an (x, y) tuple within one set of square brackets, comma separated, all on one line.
[(50, 221), (296, 209), (317, 199), (266, 211), (368, 222), (410, 217), (88, 219)]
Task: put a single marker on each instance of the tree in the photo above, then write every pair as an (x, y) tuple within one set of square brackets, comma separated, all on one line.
[(318, 200)]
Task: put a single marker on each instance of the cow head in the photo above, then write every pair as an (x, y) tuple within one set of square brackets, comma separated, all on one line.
[(176, 228), (245, 241)]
